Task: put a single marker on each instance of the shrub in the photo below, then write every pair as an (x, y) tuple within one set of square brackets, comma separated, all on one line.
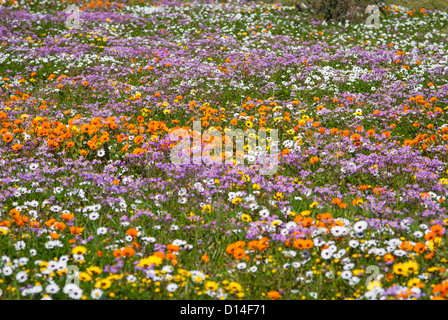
[(337, 10)]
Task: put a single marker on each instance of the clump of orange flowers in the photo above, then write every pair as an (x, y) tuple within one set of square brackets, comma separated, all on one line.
[(125, 252), (236, 249)]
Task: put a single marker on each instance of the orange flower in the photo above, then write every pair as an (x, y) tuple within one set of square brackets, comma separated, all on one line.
[(274, 295), (406, 246), (159, 254), (205, 258), (50, 222), (308, 244), (17, 147), (420, 247), (118, 253), (54, 235), (307, 222), (53, 144), (389, 258), (132, 232), (75, 230), (437, 229), (299, 244), (230, 248), (60, 226), (172, 248), (138, 139), (240, 244), (7, 137), (99, 253), (70, 144), (430, 236), (336, 201), (313, 160), (128, 252), (429, 256), (170, 256), (239, 253)]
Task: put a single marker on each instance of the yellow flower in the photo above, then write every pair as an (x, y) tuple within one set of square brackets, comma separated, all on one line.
[(249, 124), (236, 200), (314, 204), (211, 285), (411, 267), (84, 276), (146, 262), (3, 230), (434, 269), (115, 277), (234, 287), (275, 223), (278, 195), (166, 111), (207, 208), (246, 218), (79, 250), (415, 282), (399, 269), (305, 213), (94, 270), (103, 284)]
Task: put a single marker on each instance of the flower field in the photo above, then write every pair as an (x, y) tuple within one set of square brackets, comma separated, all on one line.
[(93, 207)]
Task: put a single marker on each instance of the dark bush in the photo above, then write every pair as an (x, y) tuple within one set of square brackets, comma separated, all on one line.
[(337, 10)]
